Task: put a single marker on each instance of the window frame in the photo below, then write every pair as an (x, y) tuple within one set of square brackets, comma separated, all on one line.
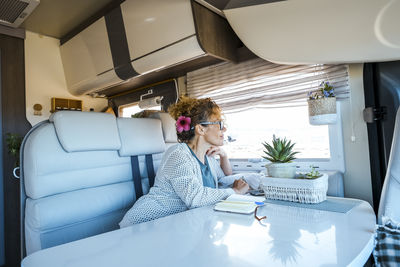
[(124, 106)]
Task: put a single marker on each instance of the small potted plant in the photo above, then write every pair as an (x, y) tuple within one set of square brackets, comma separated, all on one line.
[(312, 174), (281, 156), (322, 105), (14, 141)]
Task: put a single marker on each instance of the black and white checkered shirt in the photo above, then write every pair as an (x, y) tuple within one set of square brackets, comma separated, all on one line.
[(387, 245)]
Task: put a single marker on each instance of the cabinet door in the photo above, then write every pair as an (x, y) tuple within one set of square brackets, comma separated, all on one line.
[(159, 37), (87, 60)]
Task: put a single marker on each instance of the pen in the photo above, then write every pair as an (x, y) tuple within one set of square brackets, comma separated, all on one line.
[(258, 203)]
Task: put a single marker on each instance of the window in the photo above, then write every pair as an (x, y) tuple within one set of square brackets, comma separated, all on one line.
[(247, 130), (127, 111), (319, 146)]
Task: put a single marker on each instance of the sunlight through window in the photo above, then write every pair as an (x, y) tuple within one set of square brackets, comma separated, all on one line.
[(247, 130)]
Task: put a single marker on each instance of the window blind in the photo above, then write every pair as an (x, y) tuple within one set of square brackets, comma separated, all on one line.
[(262, 84)]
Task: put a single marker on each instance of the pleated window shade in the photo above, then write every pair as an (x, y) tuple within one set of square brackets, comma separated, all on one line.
[(262, 84)]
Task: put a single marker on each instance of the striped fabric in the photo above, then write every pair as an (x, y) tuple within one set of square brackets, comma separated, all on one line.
[(259, 83)]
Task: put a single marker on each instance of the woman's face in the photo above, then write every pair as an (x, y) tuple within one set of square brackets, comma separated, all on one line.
[(212, 132)]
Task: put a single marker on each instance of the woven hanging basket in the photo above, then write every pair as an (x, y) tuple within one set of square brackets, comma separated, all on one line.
[(322, 111)]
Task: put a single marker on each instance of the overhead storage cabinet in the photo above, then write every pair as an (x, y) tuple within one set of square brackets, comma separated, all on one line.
[(159, 37), (318, 31), (87, 60), (139, 37)]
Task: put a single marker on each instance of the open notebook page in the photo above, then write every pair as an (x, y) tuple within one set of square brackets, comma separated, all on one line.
[(244, 204)]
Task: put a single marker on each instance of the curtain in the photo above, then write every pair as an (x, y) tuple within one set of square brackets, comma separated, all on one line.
[(262, 84)]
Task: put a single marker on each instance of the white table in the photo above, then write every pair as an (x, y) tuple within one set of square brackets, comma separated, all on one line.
[(202, 237)]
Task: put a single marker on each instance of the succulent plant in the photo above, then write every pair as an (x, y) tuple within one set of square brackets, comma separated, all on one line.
[(281, 150), (312, 174)]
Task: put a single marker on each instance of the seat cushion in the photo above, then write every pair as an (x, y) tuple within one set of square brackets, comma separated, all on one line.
[(71, 207), (37, 240)]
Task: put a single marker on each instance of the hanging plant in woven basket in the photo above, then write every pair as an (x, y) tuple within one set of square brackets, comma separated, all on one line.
[(322, 105)]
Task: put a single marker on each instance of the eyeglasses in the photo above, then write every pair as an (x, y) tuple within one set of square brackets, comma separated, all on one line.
[(220, 123), (258, 218)]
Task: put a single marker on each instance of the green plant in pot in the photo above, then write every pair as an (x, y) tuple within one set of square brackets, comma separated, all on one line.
[(312, 174), (281, 155), (14, 141)]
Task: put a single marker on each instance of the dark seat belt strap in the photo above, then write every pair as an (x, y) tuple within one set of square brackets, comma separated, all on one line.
[(150, 169), (137, 180)]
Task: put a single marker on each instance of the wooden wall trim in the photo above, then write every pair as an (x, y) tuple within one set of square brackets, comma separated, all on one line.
[(13, 121)]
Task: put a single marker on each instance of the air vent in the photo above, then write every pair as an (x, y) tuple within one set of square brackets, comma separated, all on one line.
[(14, 12)]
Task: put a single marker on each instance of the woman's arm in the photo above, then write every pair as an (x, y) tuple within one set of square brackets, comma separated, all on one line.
[(223, 159), (186, 181)]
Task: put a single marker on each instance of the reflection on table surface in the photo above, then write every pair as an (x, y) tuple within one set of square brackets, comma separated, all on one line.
[(290, 236)]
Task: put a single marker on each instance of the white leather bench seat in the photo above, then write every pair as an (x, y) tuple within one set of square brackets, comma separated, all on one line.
[(77, 174), (335, 184)]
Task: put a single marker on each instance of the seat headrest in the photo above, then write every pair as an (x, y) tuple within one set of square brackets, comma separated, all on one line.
[(168, 126), (140, 136), (86, 131)]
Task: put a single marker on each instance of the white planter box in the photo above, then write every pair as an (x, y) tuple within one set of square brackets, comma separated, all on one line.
[(296, 190)]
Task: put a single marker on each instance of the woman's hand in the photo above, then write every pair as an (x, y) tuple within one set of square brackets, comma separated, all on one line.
[(240, 187), (223, 158), (216, 150)]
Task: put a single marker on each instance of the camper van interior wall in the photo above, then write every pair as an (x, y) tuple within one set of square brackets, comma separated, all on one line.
[(322, 105), (281, 155)]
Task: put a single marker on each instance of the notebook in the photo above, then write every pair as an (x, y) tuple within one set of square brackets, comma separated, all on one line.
[(239, 204)]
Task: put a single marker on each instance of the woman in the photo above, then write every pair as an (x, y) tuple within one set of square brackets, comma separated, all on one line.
[(187, 174)]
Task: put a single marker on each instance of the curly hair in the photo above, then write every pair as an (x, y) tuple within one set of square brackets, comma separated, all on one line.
[(199, 110)]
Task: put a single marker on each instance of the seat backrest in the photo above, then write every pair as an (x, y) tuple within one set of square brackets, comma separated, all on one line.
[(168, 130), (168, 127), (390, 197), (75, 158), (141, 137)]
